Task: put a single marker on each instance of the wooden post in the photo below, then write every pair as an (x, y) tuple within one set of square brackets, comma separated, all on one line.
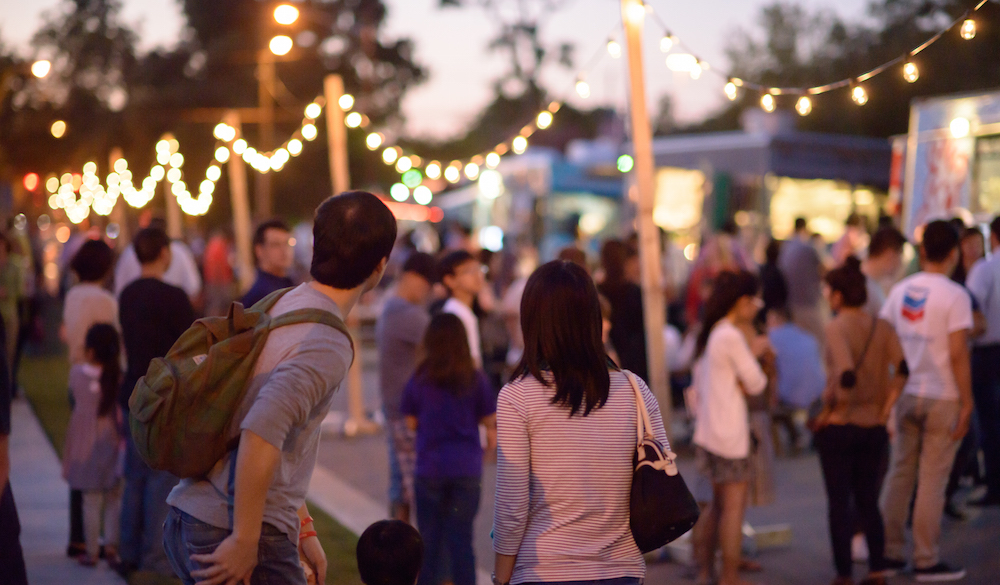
[(340, 180), (175, 224), (263, 208), (119, 213), (241, 210), (653, 300)]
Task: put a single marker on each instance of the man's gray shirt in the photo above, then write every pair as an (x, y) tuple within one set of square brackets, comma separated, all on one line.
[(398, 333), (799, 263), (299, 369)]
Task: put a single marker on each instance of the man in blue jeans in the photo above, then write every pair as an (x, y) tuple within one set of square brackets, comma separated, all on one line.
[(984, 283), (247, 520)]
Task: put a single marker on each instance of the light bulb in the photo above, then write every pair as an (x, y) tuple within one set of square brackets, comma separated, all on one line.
[(389, 156), (309, 132), (353, 120), (492, 160), (176, 160), (423, 195), (221, 130), (859, 95), (58, 129), (403, 164), (614, 49), (346, 102), (286, 14), (696, 70), (960, 127), (399, 192), (295, 146), (804, 106), (636, 11), (213, 173), (519, 145), (910, 72), (544, 120), (731, 90), (767, 102), (281, 45), (472, 171), (41, 68), (583, 89), (374, 140), (222, 154), (968, 30), (313, 110), (452, 174), (667, 43), (240, 146)]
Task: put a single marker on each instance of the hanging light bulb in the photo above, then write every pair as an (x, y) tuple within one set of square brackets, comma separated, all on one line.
[(353, 120), (804, 106), (492, 160), (374, 140), (667, 42), (968, 30), (731, 90), (696, 70), (859, 95), (582, 88), (433, 170), (767, 102), (614, 49), (389, 156), (910, 72), (544, 120), (519, 145)]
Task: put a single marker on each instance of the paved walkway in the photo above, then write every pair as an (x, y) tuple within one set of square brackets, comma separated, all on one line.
[(42, 498)]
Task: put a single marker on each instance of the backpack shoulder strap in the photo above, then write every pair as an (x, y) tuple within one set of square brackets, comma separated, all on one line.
[(267, 303), (320, 316)]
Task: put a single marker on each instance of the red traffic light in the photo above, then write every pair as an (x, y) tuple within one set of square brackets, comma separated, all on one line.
[(31, 181)]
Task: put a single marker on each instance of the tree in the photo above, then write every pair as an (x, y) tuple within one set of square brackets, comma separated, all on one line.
[(796, 48)]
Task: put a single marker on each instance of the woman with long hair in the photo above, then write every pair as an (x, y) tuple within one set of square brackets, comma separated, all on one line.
[(445, 402), (726, 372), (93, 440), (865, 376), (566, 432)]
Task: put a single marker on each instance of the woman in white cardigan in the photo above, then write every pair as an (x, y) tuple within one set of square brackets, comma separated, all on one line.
[(726, 371)]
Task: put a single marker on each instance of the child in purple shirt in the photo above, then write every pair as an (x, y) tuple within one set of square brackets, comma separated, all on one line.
[(445, 402)]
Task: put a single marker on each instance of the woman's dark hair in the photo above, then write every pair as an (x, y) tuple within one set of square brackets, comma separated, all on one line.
[(102, 339), (447, 359), (352, 233), (614, 254), (728, 289), (850, 282), (93, 261), (561, 320)]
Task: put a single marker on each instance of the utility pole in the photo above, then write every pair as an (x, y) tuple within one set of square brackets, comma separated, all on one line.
[(241, 209), (263, 210), (633, 15), (118, 213)]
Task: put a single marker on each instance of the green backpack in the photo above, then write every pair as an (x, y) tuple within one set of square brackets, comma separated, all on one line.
[(181, 410)]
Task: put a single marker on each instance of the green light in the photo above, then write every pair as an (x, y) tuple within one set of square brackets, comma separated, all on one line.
[(625, 163), (412, 178)]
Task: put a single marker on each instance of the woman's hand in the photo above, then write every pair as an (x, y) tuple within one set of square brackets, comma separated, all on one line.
[(229, 564)]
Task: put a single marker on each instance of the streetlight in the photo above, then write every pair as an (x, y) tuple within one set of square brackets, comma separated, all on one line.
[(286, 14), (41, 68)]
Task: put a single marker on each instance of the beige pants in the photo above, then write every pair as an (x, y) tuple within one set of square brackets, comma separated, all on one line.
[(922, 455), (98, 504)]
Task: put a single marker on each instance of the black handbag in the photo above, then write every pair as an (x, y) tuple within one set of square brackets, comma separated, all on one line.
[(661, 507)]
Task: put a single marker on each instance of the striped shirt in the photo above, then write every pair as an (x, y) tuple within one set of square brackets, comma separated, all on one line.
[(563, 483)]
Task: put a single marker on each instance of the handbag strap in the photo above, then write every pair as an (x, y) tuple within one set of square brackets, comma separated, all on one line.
[(643, 426), (864, 351)]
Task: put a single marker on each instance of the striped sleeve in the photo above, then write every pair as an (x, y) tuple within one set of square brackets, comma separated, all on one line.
[(510, 516)]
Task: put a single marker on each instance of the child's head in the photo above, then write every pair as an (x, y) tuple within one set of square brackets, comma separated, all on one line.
[(447, 359), (103, 346), (390, 552)]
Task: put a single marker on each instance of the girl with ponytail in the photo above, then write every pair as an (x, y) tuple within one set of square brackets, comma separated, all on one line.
[(93, 438)]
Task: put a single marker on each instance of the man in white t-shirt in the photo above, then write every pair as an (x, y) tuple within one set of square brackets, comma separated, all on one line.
[(462, 274), (932, 316)]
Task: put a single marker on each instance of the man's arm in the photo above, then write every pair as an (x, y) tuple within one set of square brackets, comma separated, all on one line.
[(235, 558), (961, 366), (310, 547)]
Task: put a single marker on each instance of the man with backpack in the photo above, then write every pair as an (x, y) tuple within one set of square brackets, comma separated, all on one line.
[(245, 520), (153, 314)]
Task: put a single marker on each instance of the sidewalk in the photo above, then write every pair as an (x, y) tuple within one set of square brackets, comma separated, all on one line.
[(42, 498)]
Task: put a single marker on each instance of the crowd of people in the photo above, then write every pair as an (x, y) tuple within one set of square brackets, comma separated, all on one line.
[(878, 365)]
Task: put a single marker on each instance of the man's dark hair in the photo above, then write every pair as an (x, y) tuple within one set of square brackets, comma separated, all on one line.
[(561, 321), (849, 281), (800, 224), (940, 238), (885, 240), (773, 251), (149, 244), (93, 261), (352, 233), (422, 265), (390, 552), (855, 220), (995, 227), (451, 262), (260, 236), (730, 228)]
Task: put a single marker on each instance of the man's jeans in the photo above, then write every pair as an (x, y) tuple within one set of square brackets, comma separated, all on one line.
[(144, 508), (986, 390), (185, 535), (12, 569), (446, 508), (922, 455)]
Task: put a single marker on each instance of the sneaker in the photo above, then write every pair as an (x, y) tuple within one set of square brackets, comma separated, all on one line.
[(939, 572), (893, 567)]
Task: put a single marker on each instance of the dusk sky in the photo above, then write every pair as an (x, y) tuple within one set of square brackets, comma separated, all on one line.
[(451, 44)]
